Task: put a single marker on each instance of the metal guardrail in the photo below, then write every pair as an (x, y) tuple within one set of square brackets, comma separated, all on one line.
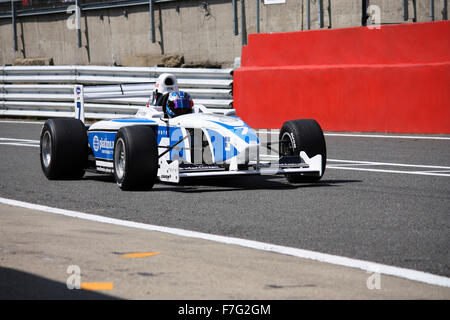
[(108, 92), (34, 8)]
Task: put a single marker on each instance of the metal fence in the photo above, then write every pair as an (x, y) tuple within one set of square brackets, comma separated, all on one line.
[(22, 8), (49, 91)]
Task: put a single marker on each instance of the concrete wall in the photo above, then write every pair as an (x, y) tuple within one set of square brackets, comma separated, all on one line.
[(182, 27)]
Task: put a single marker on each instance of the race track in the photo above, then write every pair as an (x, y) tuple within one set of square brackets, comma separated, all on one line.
[(382, 199)]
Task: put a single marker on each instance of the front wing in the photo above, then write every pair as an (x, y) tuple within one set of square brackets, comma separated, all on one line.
[(174, 171)]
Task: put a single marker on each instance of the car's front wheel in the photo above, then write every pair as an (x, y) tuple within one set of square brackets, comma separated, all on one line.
[(303, 135)]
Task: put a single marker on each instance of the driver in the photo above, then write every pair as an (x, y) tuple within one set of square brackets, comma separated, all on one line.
[(178, 103)]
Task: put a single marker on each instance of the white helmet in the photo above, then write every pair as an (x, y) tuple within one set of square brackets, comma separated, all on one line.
[(166, 82)]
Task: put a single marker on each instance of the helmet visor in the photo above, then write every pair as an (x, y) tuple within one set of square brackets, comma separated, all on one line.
[(184, 103)]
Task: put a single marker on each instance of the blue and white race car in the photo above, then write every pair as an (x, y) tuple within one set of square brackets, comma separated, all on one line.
[(173, 139)]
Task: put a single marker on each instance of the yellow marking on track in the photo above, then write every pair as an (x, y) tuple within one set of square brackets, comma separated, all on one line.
[(140, 254), (97, 286)]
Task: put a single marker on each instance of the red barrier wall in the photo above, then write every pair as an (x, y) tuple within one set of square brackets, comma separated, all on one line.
[(395, 79)]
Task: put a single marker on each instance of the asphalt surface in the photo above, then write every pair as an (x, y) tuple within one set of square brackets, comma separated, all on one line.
[(399, 219)]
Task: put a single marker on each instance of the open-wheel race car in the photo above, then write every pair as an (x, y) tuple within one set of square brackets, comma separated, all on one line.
[(173, 139)]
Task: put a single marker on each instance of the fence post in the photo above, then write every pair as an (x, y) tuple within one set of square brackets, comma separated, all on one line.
[(432, 10), (13, 21), (445, 11), (243, 24), (257, 16), (235, 19), (152, 21), (320, 5), (78, 22), (364, 13), (405, 10)]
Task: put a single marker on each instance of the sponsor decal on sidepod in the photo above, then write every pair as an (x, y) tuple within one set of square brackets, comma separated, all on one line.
[(102, 144)]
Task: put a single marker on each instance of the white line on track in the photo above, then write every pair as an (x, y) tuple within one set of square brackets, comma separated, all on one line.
[(437, 171), (19, 144), (424, 173), (368, 135), (353, 164), (19, 140), (345, 165), (385, 136), (390, 164), (299, 253), (19, 122)]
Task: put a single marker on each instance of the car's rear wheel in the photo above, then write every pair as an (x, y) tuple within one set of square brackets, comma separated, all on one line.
[(303, 135), (135, 158), (63, 148)]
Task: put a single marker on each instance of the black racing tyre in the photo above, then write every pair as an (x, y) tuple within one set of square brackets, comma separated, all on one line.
[(303, 135), (63, 148), (135, 158)]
